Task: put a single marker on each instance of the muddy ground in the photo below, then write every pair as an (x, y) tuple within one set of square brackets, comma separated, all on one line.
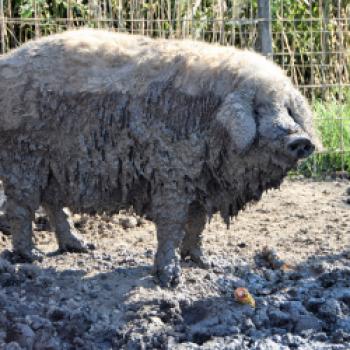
[(108, 299)]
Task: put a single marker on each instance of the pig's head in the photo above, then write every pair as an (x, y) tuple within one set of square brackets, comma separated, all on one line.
[(268, 115)]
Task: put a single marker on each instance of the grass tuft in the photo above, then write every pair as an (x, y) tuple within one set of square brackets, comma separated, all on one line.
[(332, 120)]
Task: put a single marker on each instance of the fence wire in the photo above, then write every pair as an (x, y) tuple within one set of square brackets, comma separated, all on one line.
[(310, 41)]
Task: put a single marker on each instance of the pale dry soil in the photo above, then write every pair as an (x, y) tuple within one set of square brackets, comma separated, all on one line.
[(108, 298)]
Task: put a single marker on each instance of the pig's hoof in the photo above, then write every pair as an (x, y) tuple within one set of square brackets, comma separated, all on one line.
[(18, 256), (74, 245), (199, 258), (202, 261), (169, 276)]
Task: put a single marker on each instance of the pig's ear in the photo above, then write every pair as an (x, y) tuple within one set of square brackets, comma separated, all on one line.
[(236, 117)]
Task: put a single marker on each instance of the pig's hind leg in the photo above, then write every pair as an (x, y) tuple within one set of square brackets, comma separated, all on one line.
[(20, 217), (66, 234), (192, 242), (21, 203)]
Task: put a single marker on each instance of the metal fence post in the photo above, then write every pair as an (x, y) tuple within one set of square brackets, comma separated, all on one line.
[(264, 42)]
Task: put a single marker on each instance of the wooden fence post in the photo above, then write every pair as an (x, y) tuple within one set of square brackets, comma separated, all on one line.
[(2, 27), (264, 43)]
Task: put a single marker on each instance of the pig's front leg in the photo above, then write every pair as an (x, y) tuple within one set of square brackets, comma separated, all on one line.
[(192, 244), (170, 218)]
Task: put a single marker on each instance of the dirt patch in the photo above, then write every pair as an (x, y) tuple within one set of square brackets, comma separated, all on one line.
[(108, 299)]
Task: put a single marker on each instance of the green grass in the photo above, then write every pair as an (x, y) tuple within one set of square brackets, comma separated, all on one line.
[(332, 120)]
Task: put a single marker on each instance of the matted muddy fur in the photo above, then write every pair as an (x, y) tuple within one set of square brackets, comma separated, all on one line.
[(98, 121)]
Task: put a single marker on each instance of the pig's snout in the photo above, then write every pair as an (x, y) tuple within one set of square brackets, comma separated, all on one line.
[(300, 147)]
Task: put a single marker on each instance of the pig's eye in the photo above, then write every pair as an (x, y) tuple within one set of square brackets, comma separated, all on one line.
[(290, 112)]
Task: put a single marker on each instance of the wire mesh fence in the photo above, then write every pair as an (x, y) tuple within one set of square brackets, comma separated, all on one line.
[(310, 40)]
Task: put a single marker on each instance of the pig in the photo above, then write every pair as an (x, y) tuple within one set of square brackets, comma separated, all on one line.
[(177, 130)]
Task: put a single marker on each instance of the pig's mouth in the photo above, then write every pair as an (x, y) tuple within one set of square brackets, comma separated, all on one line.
[(294, 149), (286, 153), (290, 160)]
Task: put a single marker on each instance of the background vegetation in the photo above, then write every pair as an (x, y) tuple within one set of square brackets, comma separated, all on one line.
[(311, 41), (333, 122)]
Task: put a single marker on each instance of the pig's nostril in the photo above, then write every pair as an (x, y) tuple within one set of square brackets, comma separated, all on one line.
[(293, 147), (308, 148), (300, 147)]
